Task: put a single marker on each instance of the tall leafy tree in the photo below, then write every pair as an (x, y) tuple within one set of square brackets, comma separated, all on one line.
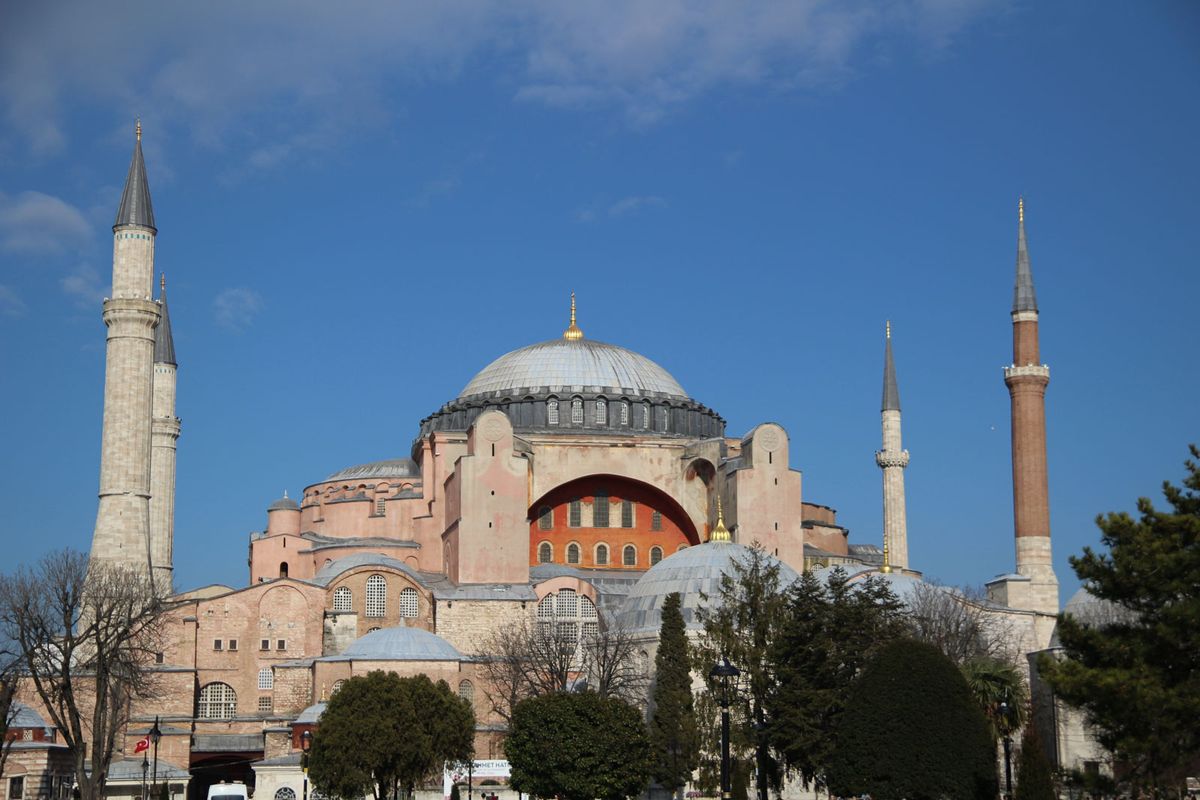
[(578, 746), (1137, 675), (828, 633), (673, 732), (911, 730)]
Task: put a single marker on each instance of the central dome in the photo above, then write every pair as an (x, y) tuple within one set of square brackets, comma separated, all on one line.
[(573, 363)]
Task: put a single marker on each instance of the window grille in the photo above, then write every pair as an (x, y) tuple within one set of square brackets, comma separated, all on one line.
[(626, 513), (285, 794), (545, 553), (410, 603), (656, 521), (381, 507), (266, 679), (655, 555), (217, 701), (601, 412), (567, 603), (646, 416), (466, 690), (372, 630), (624, 413), (591, 630), (600, 510), (546, 518), (343, 599), (552, 412), (572, 553), (601, 555), (337, 685), (629, 556), (265, 706), (376, 596), (575, 514), (576, 411)]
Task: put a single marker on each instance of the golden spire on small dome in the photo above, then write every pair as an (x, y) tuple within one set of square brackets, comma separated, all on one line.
[(137, 129), (720, 533), (1020, 209), (572, 333)]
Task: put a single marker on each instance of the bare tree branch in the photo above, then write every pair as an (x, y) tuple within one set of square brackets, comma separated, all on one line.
[(957, 622)]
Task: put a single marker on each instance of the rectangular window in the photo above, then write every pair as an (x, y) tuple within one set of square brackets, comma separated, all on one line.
[(159, 658), (281, 644), (575, 514), (546, 519), (16, 788), (656, 521), (600, 511), (264, 644), (380, 507), (264, 704), (218, 644), (233, 644), (626, 513)]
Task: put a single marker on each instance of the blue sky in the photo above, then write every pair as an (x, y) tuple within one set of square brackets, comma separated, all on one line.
[(361, 205)]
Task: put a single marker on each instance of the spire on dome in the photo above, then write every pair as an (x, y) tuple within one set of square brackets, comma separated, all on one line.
[(164, 344), (572, 333), (1024, 298), (720, 533), (135, 208), (891, 391)]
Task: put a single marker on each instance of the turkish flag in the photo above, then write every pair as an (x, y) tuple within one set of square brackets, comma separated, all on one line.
[(142, 745)]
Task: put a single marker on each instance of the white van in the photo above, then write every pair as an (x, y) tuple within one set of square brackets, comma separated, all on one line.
[(235, 790)]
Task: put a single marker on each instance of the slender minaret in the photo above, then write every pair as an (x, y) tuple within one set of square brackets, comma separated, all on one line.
[(165, 433), (122, 532), (1027, 379), (892, 459)]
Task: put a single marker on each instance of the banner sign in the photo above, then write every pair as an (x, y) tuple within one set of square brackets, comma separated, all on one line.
[(493, 769)]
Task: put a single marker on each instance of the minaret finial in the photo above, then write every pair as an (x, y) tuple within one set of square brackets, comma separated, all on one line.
[(1020, 209), (162, 282), (887, 566), (720, 533), (572, 333), (888, 328), (137, 129)]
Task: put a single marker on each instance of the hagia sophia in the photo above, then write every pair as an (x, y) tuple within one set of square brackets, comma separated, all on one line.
[(570, 478)]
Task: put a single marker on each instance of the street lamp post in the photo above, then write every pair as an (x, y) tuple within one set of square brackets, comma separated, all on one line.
[(721, 673), (155, 735), (1007, 750), (145, 769), (305, 743)]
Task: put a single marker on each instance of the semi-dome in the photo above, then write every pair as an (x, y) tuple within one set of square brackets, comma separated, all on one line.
[(400, 644), (390, 468), (692, 572), (568, 363)]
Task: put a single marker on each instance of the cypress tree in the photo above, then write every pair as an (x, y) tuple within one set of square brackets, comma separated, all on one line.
[(673, 732), (1034, 780)]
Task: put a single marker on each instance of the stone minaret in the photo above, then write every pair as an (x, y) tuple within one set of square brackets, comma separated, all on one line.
[(1027, 379), (165, 432), (892, 459), (122, 532)]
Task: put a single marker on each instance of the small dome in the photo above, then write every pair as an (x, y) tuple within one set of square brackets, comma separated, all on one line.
[(330, 571), (284, 503), (391, 468), (1094, 611), (400, 644), (691, 572), (573, 362), (311, 715)]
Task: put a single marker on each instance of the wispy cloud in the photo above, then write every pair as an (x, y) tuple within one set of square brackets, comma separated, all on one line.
[(11, 305), (39, 224), (234, 309), (634, 204), (85, 286)]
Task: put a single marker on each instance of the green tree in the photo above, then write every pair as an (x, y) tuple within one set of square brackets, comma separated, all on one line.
[(999, 691), (911, 730), (1136, 675), (578, 746), (1034, 778), (381, 733), (673, 733), (828, 633)]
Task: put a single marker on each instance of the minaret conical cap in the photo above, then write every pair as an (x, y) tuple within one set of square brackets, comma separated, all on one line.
[(136, 208), (891, 391), (164, 343), (1024, 298)]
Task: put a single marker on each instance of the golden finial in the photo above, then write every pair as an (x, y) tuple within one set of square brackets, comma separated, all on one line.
[(720, 533), (324, 695), (162, 281), (138, 129), (887, 566), (1021, 209), (572, 333), (888, 328)]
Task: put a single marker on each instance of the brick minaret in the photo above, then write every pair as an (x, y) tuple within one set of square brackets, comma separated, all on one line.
[(1027, 379), (122, 532), (165, 429), (892, 459)]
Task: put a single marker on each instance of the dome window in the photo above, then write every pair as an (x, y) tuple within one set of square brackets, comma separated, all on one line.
[(624, 413), (545, 553), (376, 596), (601, 555), (655, 555), (576, 411), (552, 411), (601, 412), (645, 416)]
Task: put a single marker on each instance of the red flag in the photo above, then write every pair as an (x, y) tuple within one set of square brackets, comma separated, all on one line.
[(142, 745)]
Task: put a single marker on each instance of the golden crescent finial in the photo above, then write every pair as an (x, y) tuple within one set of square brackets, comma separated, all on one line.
[(1021, 209), (572, 333), (887, 567), (137, 129), (720, 533)]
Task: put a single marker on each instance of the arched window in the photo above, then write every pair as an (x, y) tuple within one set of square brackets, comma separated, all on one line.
[(646, 416), (552, 411), (601, 412), (681, 548), (624, 413), (576, 411), (655, 555), (266, 679), (285, 793), (376, 596), (591, 620), (343, 599), (601, 555), (572, 553), (629, 556), (546, 518), (600, 510), (545, 553), (372, 630), (575, 513), (466, 690), (626, 513), (337, 685), (283, 569), (217, 701), (410, 604)]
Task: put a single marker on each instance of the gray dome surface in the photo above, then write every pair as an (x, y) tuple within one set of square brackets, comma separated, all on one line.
[(390, 468), (311, 715), (691, 572), (567, 363), (399, 644), (330, 571), (284, 503)]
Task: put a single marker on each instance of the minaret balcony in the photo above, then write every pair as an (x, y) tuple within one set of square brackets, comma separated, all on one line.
[(891, 458), (1027, 371)]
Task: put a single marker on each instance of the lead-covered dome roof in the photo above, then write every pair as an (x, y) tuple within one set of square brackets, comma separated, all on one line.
[(574, 363), (399, 644)]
